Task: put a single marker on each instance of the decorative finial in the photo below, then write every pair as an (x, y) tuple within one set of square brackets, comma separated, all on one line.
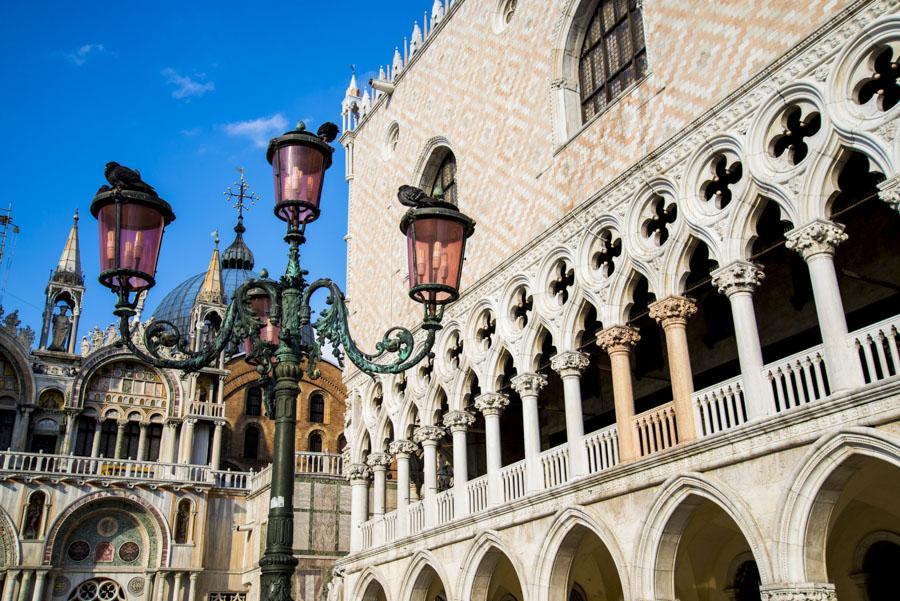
[(243, 199), (301, 126), (215, 235), (353, 69), (75, 217)]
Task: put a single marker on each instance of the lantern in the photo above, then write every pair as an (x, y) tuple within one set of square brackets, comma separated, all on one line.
[(436, 246), (299, 160), (261, 305), (131, 230)]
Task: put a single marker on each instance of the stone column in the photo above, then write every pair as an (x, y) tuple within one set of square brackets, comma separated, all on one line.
[(569, 365), (95, 443), (490, 405), (178, 587), (69, 440), (458, 422), (672, 313), (187, 440), (9, 584), (120, 439), (379, 463), (159, 585), (148, 585), (402, 449), (428, 437), (20, 437), (142, 442), (737, 281), (27, 577), (816, 242), (805, 591), (192, 586), (216, 458), (169, 455), (529, 385), (40, 582), (359, 499), (619, 342)]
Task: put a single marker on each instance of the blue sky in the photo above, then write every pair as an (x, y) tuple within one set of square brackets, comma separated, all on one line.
[(185, 92)]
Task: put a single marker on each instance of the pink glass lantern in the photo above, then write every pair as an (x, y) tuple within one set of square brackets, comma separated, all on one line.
[(131, 226), (261, 305), (436, 246), (299, 160)]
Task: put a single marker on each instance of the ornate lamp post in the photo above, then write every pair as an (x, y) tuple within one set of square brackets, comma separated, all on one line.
[(273, 317)]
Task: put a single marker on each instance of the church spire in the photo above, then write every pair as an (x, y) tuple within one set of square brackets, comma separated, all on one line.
[(68, 269), (238, 255), (212, 290)]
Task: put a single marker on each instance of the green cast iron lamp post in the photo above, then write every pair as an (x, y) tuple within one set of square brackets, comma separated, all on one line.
[(274, 317)]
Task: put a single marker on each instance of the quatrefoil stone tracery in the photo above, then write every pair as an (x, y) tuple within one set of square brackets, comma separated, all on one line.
[(881, 84), (609, 249), (563, 279), (520, 309), (662, 214), (724, 175), (791, 144)]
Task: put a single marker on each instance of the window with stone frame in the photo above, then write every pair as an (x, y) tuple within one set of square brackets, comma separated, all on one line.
[(254, 401), (251, 442), (315, 443), (613, 55), (317, 409), (443, 184)]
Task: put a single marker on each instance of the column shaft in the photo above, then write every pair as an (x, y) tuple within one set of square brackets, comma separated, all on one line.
[(69, 440), (142, 443), (95, 443), (216, 458), (9, 584), (192, 587), (757, 394), (672, 313), (40, 582), (379, 477), (359, 500), (120, 440), (490, 405), (24, 592)]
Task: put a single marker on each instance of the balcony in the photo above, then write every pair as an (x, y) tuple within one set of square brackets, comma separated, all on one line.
[(202, 410), (152, 474), (796, 382)]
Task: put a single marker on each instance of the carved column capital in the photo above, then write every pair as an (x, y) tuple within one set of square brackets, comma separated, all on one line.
[(491, 403), (807, 591), (529, 383), (672, 310), (378, 461), (570, 363), (738, 276), (403, 448), (816, 238), (358, 473), (428, 434), (618, 339), (458, 421), (889, 192)]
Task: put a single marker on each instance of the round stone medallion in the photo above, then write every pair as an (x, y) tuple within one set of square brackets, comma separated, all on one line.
[(129, 551), (79, 550), (107, 526), (60, 586), (135, 585)]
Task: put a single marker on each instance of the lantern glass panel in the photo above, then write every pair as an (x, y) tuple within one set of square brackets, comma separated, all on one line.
[(261, 305), (140, 236), (435, 248), (298, 172)]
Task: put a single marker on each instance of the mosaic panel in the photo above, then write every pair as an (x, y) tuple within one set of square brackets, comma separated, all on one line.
[(109, 538), (127, 381)]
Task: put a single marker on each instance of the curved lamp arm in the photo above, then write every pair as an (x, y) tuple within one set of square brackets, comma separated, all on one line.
[(159, 335), (332, 326)]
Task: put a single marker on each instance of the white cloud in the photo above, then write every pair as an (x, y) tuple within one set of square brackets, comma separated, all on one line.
[(186, 87), (188, 133), (259, 130), (80, 56)]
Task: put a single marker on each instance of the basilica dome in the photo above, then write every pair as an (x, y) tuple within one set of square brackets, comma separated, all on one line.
[(237, 268)]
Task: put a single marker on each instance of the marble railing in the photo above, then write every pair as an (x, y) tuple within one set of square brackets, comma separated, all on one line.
[(207, 410), (795, 382)]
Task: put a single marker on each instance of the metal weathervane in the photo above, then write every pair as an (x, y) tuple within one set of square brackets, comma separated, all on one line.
[(274, 317)]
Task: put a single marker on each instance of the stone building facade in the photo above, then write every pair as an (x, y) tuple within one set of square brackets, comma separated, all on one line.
[(120, 481), (673, 369)]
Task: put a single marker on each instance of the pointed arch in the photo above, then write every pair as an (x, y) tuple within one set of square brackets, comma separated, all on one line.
[(531, 345), (677, 266), (416, 580), (560, 544), (9, 538), (672, 508), (808, 503), (573, 325), (478, 565), (11, 350), (367, 585)]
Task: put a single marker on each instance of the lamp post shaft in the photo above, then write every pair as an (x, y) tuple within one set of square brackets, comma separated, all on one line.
[(278, 562)]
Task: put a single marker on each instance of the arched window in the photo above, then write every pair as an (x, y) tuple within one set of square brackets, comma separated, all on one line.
[(132, 439), (7, 427), (34, 515), (251, 442), (341, 442), (254, 401), (317, 409), (315, 443), (84, 438), (613, 55), (108, 438), (183, 521), (441, 182)]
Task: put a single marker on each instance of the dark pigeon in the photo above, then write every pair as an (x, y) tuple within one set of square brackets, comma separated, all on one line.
[(121, 177), (413, 197), (328, 131)]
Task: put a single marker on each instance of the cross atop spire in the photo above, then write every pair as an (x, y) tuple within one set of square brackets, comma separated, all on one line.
[(243, 198)]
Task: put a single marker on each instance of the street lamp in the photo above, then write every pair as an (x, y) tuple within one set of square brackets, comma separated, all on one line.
[(273, 317)]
